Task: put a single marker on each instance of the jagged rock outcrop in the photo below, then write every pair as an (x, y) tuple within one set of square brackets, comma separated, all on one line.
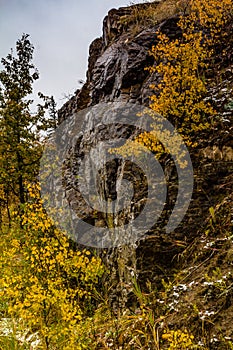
[(116, 72), (117, 62)]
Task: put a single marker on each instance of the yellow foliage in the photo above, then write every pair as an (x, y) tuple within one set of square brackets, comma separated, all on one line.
[(179, 340), (180, 94), (44, 281), (181, 91)]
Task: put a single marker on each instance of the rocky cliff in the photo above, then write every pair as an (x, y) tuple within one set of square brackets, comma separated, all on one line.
[(116, 73), (117, 60)]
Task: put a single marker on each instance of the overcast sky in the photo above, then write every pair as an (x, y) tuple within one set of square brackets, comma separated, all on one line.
[(61, 32)]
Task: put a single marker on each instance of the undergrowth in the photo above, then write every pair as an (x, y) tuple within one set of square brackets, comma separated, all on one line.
[(186, 313)]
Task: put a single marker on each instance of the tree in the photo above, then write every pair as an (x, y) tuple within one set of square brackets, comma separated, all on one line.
[(180, 89), (20, 147), (48, 287), (181, 64)]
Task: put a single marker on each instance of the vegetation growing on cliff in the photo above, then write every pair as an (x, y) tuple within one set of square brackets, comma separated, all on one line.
[(181, 64), (51, 292), (179, 94)]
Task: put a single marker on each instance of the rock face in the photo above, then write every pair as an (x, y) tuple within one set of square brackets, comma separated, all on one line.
[(116, 73), (117, 62)]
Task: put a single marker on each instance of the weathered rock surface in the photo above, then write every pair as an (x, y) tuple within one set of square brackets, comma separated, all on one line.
[(117, 62), (116, 72)]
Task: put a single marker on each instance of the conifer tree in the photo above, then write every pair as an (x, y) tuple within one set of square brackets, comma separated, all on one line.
[(20, 147)]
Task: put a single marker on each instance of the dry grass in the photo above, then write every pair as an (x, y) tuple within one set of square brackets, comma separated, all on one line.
[(149, 14)]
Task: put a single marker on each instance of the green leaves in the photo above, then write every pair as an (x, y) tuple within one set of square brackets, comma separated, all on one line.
[(20, 147)]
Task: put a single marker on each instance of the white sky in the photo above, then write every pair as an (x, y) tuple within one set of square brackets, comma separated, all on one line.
[(61, 32)]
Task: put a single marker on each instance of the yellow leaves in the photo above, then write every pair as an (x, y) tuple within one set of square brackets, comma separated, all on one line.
[(181, 90), (179, 339), (2, 192), (130, 148), (15, 243), (209, 17), (45, 282), (27, 303), (149, 140)]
